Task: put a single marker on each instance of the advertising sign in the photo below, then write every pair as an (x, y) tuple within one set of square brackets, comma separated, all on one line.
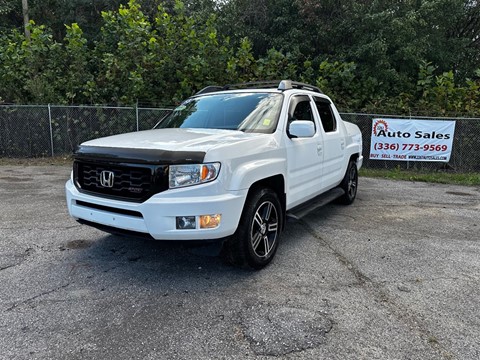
[(412, 140)]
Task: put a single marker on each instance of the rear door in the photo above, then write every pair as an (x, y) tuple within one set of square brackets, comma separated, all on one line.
[(333, 144)]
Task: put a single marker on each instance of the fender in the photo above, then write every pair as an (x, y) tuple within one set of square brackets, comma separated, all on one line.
[(250, 172), (353, 138)]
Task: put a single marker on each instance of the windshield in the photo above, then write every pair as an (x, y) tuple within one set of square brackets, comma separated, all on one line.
[(249, 112)]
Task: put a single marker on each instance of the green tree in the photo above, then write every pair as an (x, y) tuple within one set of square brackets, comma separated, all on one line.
[(30, 69), (194, 54), (76, 60), (267, 23), (159, 62), (373, 55), (122, 54), (54, 14)]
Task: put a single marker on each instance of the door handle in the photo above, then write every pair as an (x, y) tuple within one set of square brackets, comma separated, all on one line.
[(319, 149), (342, 144)]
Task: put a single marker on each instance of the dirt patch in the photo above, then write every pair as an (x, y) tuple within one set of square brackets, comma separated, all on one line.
[(78, 244), (15, 179), (277, 331), (458, 193)]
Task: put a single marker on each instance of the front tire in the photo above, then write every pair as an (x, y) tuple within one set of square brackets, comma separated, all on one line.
[(255, 241)]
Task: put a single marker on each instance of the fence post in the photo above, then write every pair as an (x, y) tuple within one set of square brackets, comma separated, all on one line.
[(136, 114), (51, 129)]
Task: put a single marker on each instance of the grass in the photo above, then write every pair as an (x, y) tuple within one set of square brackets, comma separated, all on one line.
[(43, 161), (469, 179)]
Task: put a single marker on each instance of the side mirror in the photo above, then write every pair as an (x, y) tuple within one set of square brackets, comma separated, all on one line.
[(301, 129)]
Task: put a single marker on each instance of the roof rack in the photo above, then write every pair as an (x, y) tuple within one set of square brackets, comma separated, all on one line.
[(276, 84), (289, 84), (254, 85)]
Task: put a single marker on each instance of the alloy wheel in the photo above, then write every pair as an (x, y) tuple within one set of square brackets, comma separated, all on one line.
[(264, 230)]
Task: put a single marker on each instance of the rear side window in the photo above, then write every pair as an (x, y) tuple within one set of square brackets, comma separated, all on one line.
[(326, 115)]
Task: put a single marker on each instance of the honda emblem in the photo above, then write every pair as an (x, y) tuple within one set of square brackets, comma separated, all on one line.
[(106, 178)]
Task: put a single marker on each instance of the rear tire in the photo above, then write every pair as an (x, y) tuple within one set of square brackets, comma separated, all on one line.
[(255, 241), (349, 184)]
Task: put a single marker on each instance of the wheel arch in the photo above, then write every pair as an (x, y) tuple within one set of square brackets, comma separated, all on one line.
[(277, 184), (354, 157), (358, 159)]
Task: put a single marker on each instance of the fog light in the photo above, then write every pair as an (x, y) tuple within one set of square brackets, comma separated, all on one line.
[(185, 222), (210, 221)]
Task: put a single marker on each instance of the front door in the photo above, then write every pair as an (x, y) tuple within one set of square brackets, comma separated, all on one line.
[(304, 155)]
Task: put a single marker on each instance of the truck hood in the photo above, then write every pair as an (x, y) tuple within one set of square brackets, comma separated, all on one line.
[(166, 145), (173, 139)]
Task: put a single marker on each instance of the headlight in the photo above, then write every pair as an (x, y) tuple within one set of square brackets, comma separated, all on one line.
[(186, 175)]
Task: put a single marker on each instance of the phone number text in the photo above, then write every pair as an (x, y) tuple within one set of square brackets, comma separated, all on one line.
[(409, 147)]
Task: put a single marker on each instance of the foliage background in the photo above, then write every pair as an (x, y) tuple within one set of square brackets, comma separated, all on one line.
[(405, 57)]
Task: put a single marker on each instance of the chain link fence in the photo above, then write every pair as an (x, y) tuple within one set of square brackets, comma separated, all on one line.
[(39, 131)]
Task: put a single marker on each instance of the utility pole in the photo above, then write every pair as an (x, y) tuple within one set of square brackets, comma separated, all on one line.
[(26, 20)]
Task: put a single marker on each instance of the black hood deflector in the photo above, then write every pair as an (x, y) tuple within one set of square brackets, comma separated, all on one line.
[(138, 156)]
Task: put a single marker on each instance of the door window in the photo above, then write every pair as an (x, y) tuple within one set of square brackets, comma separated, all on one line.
[(300, 109), (326, 115)]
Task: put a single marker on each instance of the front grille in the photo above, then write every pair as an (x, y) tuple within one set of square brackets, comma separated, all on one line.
[(131, 182)]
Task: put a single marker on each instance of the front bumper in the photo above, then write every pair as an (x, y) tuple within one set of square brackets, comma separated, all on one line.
[(157, 215)]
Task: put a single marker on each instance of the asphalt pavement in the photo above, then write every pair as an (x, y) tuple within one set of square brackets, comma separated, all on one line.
[(396, 275)]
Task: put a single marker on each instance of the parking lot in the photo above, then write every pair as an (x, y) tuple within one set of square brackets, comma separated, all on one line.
[(394, 276)]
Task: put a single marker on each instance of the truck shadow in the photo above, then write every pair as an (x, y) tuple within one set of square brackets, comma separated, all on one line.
[(119, 260)]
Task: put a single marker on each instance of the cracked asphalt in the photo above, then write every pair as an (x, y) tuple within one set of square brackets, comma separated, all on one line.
[(394, 276)]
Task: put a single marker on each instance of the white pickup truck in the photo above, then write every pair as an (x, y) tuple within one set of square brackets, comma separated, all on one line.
[(230, 163)]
